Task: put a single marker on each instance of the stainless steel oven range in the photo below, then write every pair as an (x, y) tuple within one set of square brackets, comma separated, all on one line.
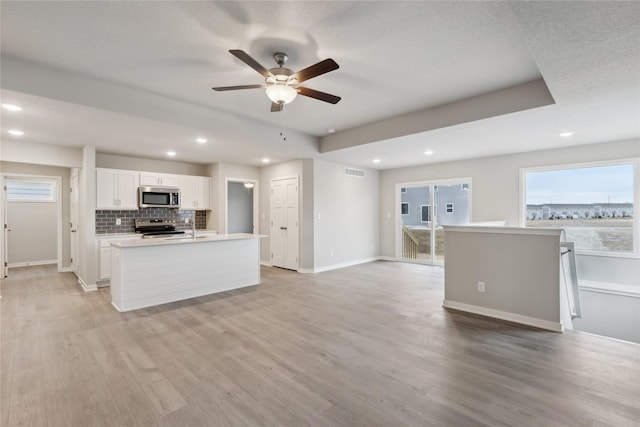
[(156, 227)]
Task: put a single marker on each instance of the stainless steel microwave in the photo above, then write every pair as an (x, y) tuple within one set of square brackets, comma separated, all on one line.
[(158, 197)]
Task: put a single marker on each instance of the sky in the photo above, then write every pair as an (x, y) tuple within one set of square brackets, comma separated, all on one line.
[(605, 184)]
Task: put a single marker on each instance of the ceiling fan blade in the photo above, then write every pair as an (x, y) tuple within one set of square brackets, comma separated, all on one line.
[(244, 57), (220, 89), (275, 107), (316, 70), (322, 96)]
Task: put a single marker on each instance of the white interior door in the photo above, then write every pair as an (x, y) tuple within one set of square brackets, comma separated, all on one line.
[(5, 231), (73, 226), (284, 223)]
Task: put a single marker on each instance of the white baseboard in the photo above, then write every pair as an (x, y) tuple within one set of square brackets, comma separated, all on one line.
[(387, 258), (32, 263), (504, 315), (85, 286), (336, 266), (266, 264), (66, 270)]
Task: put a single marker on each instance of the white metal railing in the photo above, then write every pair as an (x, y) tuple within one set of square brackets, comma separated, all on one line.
[(570, 277)]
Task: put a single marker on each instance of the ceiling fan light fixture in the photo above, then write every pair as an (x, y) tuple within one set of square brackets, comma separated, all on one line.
[(281, 93)]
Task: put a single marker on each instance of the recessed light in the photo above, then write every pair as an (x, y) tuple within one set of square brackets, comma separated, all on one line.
[(16, 132), (376, 160), (266, 160), (171, 153), (565, 134), (428, 152), (11, 107), (331, 130), (201, 140)]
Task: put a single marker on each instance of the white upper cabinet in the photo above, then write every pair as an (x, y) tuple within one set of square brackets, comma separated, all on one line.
[(194, 192), (116, 189), (161, 179)]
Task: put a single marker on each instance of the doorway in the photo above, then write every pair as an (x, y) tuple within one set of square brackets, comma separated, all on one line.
[(284, 235), (32, 208), (423, 208), (242, 206)]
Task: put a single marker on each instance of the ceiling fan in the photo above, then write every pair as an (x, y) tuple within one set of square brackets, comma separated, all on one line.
[(282, 84)]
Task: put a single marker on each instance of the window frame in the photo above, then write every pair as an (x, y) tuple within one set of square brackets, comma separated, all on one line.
[(634, 161), (446, 208), (429, 214)]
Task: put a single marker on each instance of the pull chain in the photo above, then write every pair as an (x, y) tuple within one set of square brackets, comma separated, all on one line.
[(284, 124)]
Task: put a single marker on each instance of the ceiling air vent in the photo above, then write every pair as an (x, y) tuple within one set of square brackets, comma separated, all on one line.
[(353, 172)]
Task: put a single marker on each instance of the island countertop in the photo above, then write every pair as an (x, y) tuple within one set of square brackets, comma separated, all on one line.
[(187, 239)]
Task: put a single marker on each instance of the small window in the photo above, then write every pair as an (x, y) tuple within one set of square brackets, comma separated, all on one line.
[(449, 208), (425, 213), (30, 191), (464, 186), (404, 208), (403, 190), (435, 188)]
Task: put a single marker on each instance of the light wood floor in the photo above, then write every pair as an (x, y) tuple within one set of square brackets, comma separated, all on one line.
[(368, 345)]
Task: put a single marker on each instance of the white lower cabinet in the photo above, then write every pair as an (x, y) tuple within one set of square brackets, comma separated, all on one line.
[(105, 262), (104, 245)]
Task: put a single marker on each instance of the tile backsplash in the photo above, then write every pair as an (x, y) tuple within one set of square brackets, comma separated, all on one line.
[(106, 220)]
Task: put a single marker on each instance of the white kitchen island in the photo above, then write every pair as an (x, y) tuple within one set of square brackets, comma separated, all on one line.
[(150, 272)]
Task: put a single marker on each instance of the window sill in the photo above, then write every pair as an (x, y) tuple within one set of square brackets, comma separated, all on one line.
[(610, 288), (608, 254)]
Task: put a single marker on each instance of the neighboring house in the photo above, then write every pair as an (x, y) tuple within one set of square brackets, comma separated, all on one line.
[(451, 205), (575, 211)]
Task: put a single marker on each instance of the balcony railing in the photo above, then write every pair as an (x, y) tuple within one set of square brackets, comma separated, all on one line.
[(409, 244)]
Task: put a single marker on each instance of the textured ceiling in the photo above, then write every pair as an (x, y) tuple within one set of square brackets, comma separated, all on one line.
[(145, 71)]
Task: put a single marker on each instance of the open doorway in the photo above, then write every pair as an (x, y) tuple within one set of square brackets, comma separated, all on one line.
[(242, 206), (33, 221)]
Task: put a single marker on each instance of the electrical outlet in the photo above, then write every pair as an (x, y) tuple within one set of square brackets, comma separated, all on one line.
[(331, 253), (480, 286), (118, 221)]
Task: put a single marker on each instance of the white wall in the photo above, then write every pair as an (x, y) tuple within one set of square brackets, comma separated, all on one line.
[(148, 165), (34, 232), (520, 268), (610, 315), (495, 191), (87, 248), (346, 215), (41, 154)]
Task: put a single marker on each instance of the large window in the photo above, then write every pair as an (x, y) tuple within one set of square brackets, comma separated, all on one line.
[(593, 203)]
